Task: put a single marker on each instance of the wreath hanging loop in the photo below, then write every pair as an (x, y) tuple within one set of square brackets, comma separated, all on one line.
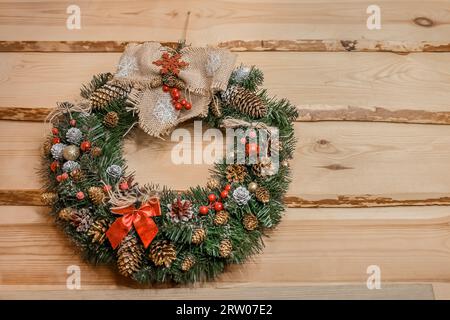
[(155, 234)]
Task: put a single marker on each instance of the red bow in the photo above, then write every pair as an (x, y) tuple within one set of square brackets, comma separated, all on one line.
[(140, 218)]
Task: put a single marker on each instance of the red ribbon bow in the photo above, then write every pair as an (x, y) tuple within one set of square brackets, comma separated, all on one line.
[(140, 218)]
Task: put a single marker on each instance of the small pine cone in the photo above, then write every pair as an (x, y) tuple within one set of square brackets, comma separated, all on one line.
[(98, 231), (225, 248), (111, 119), (246, 101), (96, 195), (67, 214), (187, 263), (101, 97), (236, 173), (221, 218), (156, 82), (96, 151), (198, 236), (262, 194), (49, 198), (129, 256), (250, 222), (163, 252), (77, 175), (172, 81), (213, 184)]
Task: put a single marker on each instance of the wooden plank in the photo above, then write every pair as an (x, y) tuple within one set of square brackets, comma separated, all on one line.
[(213, 22), (359, 164), (407, 88), (362, 45), (233, 292), (309, 246)]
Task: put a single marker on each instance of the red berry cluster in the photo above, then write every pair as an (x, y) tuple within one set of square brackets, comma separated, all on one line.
[(177, 101), (214, 202)]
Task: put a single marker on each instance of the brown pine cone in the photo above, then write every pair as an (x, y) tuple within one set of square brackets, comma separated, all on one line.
[(98, 231), (225, 248), (96, 151), (156, 82), (221, 218), (172, 81), (111, 119), (77, 175), (250, 222), (246, 101), (236, 173), (213, 184), (187, 263), (198, 236), (101, 97), (129, 256), (49, 198), (67, 214), (96, 195), (262, 194), (163, 252)]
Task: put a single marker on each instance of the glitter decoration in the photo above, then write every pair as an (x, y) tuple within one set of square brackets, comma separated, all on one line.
[(240, 74), (74, 135), (57, 151), (114, 171), (164, 111), (241, 195), (70, 166), (213, 63), (127, 65)]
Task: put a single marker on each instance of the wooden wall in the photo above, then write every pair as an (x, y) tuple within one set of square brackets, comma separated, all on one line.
[(371, 184)]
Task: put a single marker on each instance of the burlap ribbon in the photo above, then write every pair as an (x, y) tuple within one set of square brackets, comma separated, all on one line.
[(208, 71)]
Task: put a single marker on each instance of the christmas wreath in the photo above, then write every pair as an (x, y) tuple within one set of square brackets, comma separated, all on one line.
[(152, 233)]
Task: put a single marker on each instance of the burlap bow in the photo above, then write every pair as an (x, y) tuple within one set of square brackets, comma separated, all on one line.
[(208, 71)]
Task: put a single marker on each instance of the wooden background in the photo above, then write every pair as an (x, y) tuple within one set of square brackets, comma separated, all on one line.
[(371, 183)]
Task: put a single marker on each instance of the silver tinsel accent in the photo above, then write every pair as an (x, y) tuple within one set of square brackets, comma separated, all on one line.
[(74, 135), (241, 195), (114, 171), (240, 74), (175, 218), (127, 65), (213, 63), (70, 166), (164, 111), (57, 151)]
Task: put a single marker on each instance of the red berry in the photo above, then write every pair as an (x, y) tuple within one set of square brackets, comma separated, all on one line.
[(166, 88), (123, 185), (175, 93), (252, 148), (56, 140), (178, 106), (212, 197), (183, 102), (55, 131), (203, 210), (188, 106), (228, 187), (243, 140), (54, 165), (85, 146), (252, 134), (80, 195), (65, 176), (218, 206), (107, 187), (73, 122), (58, 178), (224, 194)]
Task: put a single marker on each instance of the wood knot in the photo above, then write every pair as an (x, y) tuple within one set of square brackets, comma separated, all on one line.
[(323, 142), (349, 45), (423, 22)]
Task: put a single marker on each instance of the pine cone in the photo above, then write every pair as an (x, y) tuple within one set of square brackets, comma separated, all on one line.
[(111, 119), (129, 256), (187, 263), (66, 214), (156, 82), (262, 194), (250, 222), (49, 198), (225, 248), (98, 231), (180, 210), (221, 218), (263, 168), (96, 195), (213, 184), (236, 173), (101, 97), (77, 175), (96, 151), (247, 102), (163, 253), (198, 236), (172, 81)]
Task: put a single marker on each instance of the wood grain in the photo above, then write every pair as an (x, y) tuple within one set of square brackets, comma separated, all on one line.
[(334, 165), (212, 22), (309, 246), (392, 82)]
